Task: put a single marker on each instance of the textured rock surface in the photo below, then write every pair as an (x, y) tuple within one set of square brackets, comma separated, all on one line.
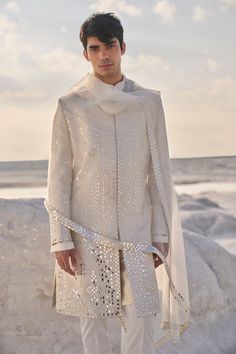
[(27, 324)]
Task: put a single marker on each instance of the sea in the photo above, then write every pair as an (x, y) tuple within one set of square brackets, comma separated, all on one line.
[(28, 179)]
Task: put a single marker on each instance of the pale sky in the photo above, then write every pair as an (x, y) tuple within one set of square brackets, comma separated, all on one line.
[(185, 49)]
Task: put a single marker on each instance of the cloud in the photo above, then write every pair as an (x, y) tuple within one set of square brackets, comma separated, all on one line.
[(165, 10), (12, 6), (121, 6), (33, 72), (227, 4), (201, 14), (12, 90), (12, 45), (8, 83), (6, 24), (59, 60), (141, 61), (64, 29), (212, 63), (22, 95), (217, 93), (203, 116), (147, 69)]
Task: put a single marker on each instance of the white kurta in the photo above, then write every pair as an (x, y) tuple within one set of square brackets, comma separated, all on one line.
[(109, 170), (126, 289)]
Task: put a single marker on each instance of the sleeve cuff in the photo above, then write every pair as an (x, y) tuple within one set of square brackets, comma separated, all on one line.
[(62, 246), (160, 238)]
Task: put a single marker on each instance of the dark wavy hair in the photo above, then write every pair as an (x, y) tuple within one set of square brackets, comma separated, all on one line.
[(104, 26)]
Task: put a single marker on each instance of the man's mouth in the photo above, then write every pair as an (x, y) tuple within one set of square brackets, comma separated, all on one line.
[(105, 65)]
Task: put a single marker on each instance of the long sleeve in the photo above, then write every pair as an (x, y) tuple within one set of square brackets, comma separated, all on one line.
[(60, 179), (160, 238), (159, 228)]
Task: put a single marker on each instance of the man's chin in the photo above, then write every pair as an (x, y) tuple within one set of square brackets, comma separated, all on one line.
[(105, 73)]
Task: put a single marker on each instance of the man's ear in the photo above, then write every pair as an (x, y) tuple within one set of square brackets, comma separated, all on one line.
[(85, 53), (123, 48)]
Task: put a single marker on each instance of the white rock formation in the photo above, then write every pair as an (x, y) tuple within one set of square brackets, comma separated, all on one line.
[(28, 325)]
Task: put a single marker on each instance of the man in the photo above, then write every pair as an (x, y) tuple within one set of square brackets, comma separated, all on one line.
[(112, 205)]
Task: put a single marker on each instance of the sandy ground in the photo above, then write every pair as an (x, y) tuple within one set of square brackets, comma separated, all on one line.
[(27, 325)]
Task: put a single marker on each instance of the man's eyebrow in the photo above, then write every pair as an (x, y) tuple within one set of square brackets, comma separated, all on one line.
[(94, 46), (111, 41)]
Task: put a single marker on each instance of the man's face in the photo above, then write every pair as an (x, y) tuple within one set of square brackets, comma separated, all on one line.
[(105, 58)]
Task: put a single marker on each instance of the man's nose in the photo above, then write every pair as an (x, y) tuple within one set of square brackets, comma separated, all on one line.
[(104, 53)]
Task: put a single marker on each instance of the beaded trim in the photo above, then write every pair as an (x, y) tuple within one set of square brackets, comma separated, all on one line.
[(129, 86)]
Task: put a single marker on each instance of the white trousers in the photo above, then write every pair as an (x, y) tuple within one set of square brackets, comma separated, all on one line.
[(139, 338)]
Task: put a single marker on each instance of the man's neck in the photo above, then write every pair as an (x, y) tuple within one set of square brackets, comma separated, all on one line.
[(110, 80)]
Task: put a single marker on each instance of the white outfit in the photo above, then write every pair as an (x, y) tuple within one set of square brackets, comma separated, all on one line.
[(140, 335), (101, 201), (126, 290), (139, 338)]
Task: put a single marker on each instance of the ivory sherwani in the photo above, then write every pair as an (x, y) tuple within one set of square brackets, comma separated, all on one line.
[(110, 189)]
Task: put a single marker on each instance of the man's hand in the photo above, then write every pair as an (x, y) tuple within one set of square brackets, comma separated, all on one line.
[(157, 260), (163, 248), (62, 258)]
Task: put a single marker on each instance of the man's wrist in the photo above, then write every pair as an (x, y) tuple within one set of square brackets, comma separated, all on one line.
[(160, 237), (62, 246)]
